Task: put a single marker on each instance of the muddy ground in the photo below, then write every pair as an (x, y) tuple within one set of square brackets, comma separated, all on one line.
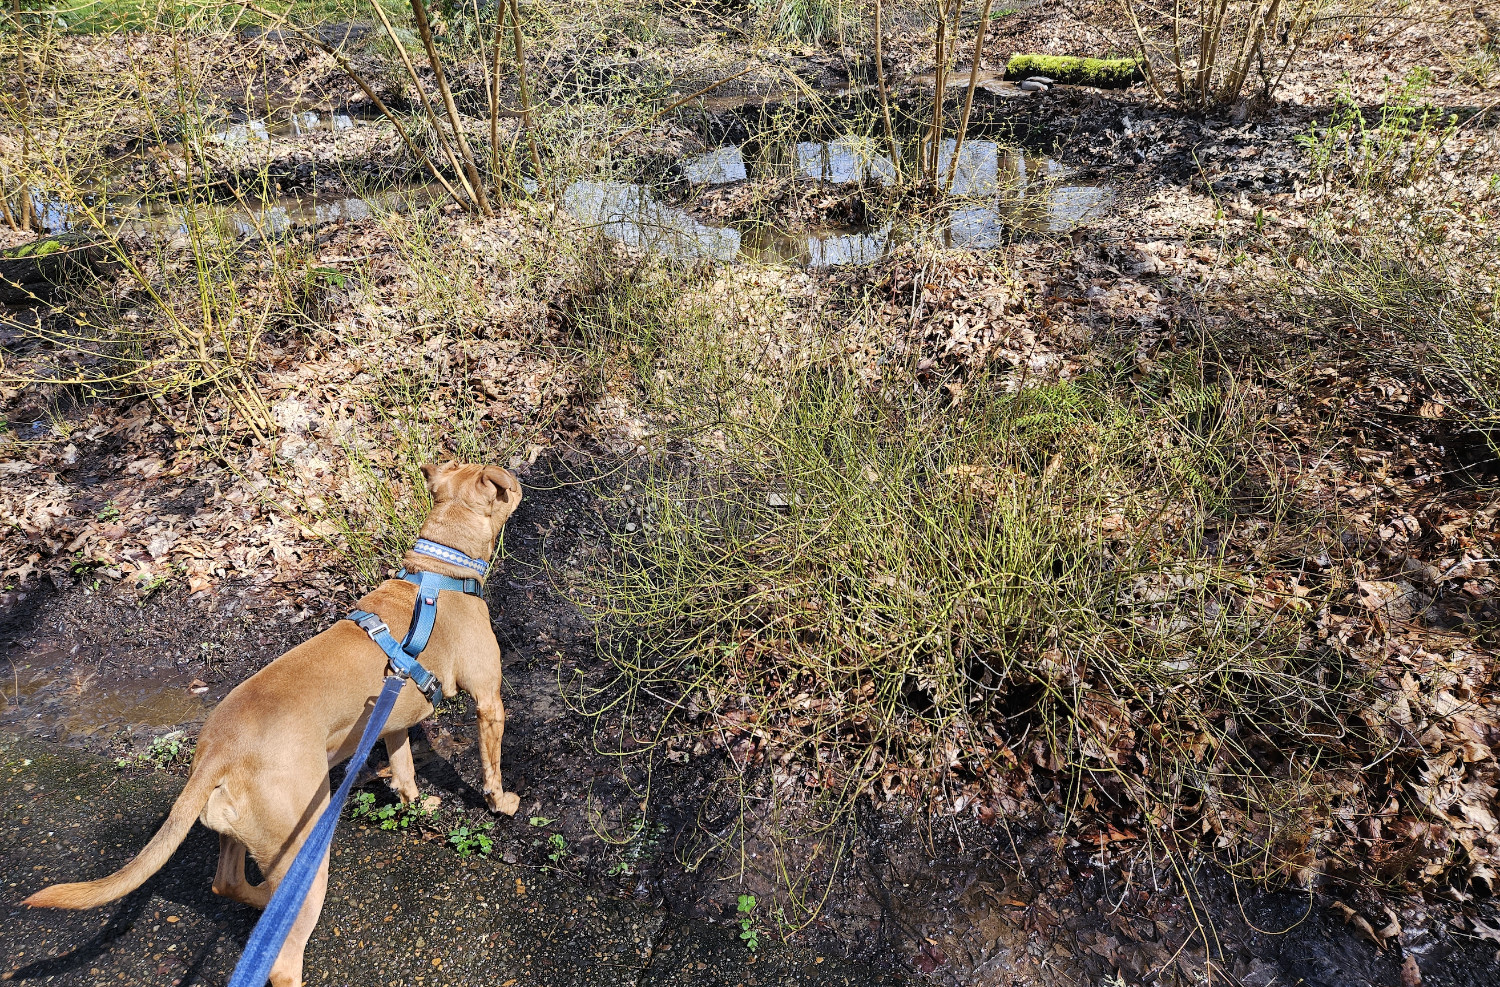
[(481, 922)]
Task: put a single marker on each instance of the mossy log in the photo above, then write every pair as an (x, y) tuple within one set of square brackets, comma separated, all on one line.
[(1102, 73), (31, 272)]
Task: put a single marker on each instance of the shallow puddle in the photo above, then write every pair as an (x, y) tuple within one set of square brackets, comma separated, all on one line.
[(998, 190), (288, 123), (82, 704)]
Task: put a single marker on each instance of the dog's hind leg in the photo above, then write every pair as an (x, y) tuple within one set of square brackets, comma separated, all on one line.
[(229, 879), (403, 771), (287, 970)]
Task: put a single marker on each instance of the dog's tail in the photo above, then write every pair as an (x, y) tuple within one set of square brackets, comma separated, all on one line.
[(91, 894)]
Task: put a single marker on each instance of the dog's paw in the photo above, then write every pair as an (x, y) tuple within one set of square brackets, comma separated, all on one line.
[(505, 803)]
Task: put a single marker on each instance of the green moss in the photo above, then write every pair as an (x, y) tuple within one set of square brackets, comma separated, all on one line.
[(1104, 73), (37, 248)]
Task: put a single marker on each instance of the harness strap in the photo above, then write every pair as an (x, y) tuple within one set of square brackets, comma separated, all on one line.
[(424, 611), (403, 664)]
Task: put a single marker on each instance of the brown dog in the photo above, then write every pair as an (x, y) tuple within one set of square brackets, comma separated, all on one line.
[(260, 776)]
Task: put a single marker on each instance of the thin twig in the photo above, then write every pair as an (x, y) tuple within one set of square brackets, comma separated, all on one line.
[(686, 99), (963, 123), (492, 87), (885, 101)]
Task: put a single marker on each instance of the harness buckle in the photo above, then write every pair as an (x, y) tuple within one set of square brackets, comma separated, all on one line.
[(371, 624)]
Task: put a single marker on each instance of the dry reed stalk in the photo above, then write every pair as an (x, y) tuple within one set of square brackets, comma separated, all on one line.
[(963, 123), (419, 11), (885, 100)]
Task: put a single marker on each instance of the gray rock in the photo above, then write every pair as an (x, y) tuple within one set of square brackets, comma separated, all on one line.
[(1042, 79), (1032, 86)]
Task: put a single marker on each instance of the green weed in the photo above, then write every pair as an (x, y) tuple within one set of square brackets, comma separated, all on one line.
[(470, 840), (558, 851), (167, 749), (749, 931), (1400, 145), (391, 816), (1402, 242)]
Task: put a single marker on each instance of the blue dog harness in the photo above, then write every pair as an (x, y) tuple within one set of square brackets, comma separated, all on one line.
[(270, 933), (403, 656)]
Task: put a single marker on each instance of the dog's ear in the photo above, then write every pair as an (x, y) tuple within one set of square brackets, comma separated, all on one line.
[(507, 487)]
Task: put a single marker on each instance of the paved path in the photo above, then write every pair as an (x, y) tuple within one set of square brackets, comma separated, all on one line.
[(399, 911)]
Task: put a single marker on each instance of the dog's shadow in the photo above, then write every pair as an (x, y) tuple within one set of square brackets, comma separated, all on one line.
[(184, 881), (437, 773)]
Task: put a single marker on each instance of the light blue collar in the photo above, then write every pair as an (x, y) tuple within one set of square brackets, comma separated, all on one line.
[(452, 556)]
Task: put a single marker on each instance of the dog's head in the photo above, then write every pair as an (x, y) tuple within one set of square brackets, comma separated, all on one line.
[(470, 504)]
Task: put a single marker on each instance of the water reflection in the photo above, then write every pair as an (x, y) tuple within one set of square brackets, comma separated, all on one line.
[(630, 214), (1001, 190), (847, 159), (269, 216), (292, 123), (998, 191), (718, 167)]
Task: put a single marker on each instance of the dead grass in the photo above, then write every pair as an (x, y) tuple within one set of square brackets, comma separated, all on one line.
[(868, 588)]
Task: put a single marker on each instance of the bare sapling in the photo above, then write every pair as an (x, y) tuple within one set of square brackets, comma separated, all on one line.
[(424, 29), (520, 55), (963, 122), (1212, 46), (432, 117), (343, 63), (885, 99)]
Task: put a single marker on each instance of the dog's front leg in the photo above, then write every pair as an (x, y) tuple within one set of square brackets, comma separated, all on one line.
[(479, 676), (403, 771), (491, 733)]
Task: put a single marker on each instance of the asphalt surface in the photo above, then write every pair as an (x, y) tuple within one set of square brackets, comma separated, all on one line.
[(400, 911)]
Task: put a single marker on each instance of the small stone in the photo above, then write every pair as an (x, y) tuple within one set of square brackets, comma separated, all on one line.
[(173, 918)]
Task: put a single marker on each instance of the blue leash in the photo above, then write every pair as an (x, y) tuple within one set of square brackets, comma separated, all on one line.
[(269, 934), (254, 967)]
